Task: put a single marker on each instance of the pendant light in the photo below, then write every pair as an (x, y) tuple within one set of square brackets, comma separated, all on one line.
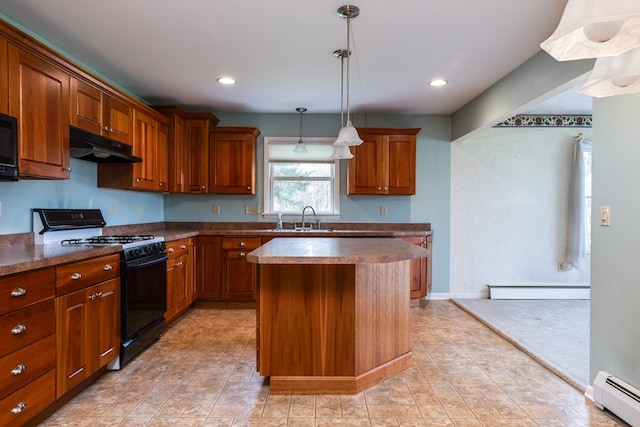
[(341, 151), (614, 75), (300, 147), (594, 29), (348, 134)]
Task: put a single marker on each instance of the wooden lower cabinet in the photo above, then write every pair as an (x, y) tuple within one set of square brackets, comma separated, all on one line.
[(420, 269), (179, 278), (88, 332), (238, 275), (207, 265)]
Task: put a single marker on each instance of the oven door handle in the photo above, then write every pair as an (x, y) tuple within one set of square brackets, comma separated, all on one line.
[(136, 264)]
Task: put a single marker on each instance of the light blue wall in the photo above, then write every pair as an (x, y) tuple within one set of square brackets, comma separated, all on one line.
[(615, 271), (430, 204), (80, 191)]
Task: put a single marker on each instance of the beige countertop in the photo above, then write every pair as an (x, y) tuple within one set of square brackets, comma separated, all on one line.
[(366, 250)]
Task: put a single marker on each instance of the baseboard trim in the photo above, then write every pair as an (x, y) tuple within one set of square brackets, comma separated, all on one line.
[(539, 292)]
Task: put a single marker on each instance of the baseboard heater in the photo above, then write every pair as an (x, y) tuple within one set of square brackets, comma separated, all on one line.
[(539, 291), (618, 397)]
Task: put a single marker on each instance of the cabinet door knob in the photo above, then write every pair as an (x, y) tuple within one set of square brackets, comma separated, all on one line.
[(76, 276), (18, 408), (67, 169), (18, 369), (202, 187), (243, 244), (18, 329), (242, 254), (108, 267), (183, 246), (18, 292), (248, 188), (92, 297), (171, 250)]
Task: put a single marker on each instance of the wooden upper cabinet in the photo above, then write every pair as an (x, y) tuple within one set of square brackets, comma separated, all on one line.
[(39, 98), (232, 159), (95, 111), (162, 142), (4, 76), (144, 146), (197, 152), (385, 163)]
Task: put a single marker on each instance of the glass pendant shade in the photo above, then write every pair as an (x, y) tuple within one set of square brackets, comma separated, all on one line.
[(594, 29), (348, 135), (300, 147), (614, 75), (341, 152)]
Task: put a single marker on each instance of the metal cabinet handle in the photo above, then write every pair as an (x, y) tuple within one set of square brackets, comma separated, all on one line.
[(243, 244), (179, 264), (248, 188), (18, 369), (18, 292), (76, 276), (108, 267), (183, 246), (18, 408), (242, 254), (19, 329), (92, 297), (171, 250)]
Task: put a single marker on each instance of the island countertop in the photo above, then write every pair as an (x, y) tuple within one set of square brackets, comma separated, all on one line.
[(335, 251)]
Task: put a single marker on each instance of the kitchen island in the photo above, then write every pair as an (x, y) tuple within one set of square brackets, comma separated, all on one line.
[(333, 313)]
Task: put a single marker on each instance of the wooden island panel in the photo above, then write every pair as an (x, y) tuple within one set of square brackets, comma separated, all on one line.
[(327, 326)]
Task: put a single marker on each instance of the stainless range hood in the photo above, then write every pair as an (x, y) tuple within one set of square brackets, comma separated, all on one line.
[(95, 148)]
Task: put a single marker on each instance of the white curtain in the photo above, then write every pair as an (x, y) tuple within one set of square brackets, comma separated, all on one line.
[(576, 247)]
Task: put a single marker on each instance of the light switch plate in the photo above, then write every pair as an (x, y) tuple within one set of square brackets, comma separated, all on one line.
[(251, 209), (605, 216)]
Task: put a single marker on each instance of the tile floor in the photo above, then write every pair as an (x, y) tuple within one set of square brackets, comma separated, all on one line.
[(202, 373)]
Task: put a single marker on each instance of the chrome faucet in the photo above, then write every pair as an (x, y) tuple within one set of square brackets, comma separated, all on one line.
[(303, 211)]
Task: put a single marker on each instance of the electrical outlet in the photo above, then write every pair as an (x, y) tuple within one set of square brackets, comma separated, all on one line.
[(562, 266), (216, 209), (112, 208), (251, 209), (140, 209), (383, 211)]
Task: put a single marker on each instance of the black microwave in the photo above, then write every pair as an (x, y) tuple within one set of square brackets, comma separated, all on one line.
[(8, 148)]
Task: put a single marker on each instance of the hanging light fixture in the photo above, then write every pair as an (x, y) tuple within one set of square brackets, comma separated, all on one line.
[(348, 134), (594, 29), (341, 150), (614, 75), (300, 147)]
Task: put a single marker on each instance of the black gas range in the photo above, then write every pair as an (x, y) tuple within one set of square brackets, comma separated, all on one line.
[(143, 274)]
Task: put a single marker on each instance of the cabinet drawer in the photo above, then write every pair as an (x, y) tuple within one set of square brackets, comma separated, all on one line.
[(19, 407), (78, 275), (25, 326), (19, 368), (241, 243), (25, 289), (177, 248), (236, 254)]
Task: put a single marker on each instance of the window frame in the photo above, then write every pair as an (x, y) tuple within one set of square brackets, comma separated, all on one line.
[(267, 210)]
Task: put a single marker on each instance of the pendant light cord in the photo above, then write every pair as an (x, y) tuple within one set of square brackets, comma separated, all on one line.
[(348, 61)]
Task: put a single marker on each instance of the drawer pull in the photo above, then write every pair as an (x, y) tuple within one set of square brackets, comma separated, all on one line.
[(18, 408), (19, 329), (183, 246), (171, 250), (108, 267), (76, 276), (243, 244), (242, 254), (19, 369), (18, 292)]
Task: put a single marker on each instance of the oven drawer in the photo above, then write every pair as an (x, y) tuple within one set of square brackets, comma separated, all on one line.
[(25, 289), (25, 365), (25, 326), (241, 243), (19, 407), (177, 248), (79, 275)]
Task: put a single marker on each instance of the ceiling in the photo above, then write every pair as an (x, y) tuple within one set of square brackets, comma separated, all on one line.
[(281, 51)]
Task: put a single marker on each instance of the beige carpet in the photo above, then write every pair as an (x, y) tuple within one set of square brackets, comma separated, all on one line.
[(554, 332)]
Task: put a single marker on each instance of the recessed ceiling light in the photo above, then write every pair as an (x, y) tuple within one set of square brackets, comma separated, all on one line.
[(438, 82), (226, 80)]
